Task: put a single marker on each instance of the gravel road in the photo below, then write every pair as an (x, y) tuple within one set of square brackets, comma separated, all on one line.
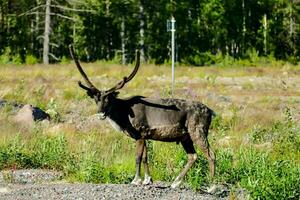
[(98, 191), (37, 184)]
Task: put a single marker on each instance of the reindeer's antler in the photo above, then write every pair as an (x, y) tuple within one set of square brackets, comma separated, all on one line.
[(90, 86), (127, 79)]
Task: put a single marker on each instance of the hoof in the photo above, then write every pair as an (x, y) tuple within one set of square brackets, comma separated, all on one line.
[(175, 184), (136, 181), (213, 189), (147, 180)]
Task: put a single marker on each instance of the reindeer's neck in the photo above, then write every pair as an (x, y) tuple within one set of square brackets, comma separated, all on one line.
[(117, 115)]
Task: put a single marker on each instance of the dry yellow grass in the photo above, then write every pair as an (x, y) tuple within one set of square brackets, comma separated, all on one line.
[(252, 95)]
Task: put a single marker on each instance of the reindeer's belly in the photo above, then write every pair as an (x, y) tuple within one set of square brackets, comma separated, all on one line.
[(164, 133)]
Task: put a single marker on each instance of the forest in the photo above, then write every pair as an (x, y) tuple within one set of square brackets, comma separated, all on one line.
[(39, 31)]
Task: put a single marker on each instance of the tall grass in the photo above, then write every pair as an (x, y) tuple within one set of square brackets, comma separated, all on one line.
[(256, 133), (264, 174)]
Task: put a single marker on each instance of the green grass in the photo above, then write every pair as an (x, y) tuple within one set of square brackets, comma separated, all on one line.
[(272, 174), (256, 134)]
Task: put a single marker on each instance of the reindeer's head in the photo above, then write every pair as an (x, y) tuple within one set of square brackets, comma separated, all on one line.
[(104, 99)]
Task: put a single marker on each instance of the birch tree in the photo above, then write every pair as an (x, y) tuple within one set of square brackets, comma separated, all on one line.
[(47, 33)]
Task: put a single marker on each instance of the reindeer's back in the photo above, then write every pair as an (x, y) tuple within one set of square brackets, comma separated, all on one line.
[(161, 117)]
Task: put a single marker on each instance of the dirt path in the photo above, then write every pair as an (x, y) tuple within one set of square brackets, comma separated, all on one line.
[(40, 184), (99, 191)]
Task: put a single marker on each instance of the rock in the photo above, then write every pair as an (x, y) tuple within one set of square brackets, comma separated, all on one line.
[(2, 103), (28, 114), (15, 106)]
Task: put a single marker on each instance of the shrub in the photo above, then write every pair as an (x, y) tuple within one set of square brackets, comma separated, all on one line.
[(64, 60), (31, 59), (40, 152), (266, 178), (89, 169), (8, 58), (16, 59), (5, 57), (225, 61), (253, 55), (49, 152), (201, 59)]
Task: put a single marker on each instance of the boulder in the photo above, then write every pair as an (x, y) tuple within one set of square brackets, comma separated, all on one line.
[(28, 114)]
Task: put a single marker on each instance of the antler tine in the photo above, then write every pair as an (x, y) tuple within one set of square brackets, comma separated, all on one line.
[(127, 79), (137, 65), (88, 82)]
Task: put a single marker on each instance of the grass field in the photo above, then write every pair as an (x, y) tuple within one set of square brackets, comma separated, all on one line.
[(256, 133)]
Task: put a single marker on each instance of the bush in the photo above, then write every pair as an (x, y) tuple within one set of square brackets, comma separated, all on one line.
[(89, 169), (253, 55), (16, 59), (8, 58), (266, 178), (49, 152), (225, 60), (5, 57), (64, 60), (41, 152), (31, 59), (201, 59)]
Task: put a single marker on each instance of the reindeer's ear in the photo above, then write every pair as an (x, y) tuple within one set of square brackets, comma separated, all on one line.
[(90, 93), (112, 95), (93, 94), (115, 94)]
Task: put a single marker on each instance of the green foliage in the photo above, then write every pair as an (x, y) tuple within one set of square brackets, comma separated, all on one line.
[(41, 152), (201, 59), (49, 152), (31, 59), (52, 109), (64, 60), (8, 58), (284, 136), (265, 178), (4, 59), (14, 154), (89, 169), (253, 55), (18, 93), (16, 59), (262, 174), (202, 29)]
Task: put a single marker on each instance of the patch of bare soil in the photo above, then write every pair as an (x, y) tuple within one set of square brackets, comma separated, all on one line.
[(41, 184)]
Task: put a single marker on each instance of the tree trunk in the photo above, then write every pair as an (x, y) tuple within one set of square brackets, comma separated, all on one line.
[(244, 27), (291, 22), (35, 45), (108, 27), (47, 33), (265, 25), (142, 31), (123, 39)]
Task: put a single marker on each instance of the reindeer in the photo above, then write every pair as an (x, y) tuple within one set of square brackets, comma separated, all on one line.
[(141, 118)]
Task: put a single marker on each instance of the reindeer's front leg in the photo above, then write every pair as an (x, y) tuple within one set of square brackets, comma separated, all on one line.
[(139, 152)]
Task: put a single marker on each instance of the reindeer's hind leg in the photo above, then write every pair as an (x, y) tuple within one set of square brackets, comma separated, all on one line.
[(147, 178), (139, 152), (202, 141), (192, 157)]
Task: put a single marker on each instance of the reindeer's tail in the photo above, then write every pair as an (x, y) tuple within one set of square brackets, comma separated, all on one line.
[(213, 113)]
